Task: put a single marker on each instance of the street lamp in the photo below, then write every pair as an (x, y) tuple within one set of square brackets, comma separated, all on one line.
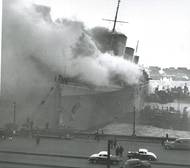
[(108, 157), (14, 112), (134, 118)]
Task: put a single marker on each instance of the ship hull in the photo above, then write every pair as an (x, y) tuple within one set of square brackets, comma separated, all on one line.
[(94, 110)]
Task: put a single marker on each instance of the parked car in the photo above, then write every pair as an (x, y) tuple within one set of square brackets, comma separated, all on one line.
[(136, 163), (180, 143), (142, 154), (102, 156)]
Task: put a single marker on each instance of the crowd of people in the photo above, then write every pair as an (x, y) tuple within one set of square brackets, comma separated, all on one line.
[(117, 147), (113, 143)]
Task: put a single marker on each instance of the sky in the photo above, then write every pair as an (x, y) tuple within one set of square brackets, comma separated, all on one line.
[(162, 27)]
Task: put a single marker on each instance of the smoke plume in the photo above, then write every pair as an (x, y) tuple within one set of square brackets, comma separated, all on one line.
[(35, 47)]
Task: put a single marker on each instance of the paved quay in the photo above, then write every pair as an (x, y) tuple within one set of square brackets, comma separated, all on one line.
[(85, 147)]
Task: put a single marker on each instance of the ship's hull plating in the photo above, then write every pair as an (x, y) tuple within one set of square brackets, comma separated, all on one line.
[(93, 110)]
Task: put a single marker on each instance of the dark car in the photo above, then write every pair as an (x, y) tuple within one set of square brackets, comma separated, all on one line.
[(102, 156), (180, 143), (136, 163), (142, 154)]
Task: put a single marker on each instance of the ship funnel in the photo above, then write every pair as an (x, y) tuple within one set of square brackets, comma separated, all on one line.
[(136, 59), (118, 42), (129, 52)]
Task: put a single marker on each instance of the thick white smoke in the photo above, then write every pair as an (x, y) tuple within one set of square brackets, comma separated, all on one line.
[(64, 47), (35, 49)]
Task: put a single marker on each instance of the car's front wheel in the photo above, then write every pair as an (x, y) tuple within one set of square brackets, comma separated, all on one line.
[(150, 159)]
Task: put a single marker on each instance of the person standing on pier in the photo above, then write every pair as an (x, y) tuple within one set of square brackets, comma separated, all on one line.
[(37, 139)]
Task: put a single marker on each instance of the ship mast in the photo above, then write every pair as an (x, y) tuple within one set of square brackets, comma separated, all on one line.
[(115, 20)]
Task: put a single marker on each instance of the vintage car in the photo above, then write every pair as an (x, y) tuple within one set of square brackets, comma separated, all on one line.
[(136, 163), (102, 157), (180, 143), (142, 154)]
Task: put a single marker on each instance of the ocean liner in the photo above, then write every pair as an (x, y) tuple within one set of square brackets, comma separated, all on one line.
[(72, 102), (83, 106)]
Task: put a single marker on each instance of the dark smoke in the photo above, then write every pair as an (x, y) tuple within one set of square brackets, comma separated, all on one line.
[(102, 38)]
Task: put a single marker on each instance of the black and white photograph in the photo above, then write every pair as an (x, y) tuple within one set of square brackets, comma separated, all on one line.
[(95, 84)]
